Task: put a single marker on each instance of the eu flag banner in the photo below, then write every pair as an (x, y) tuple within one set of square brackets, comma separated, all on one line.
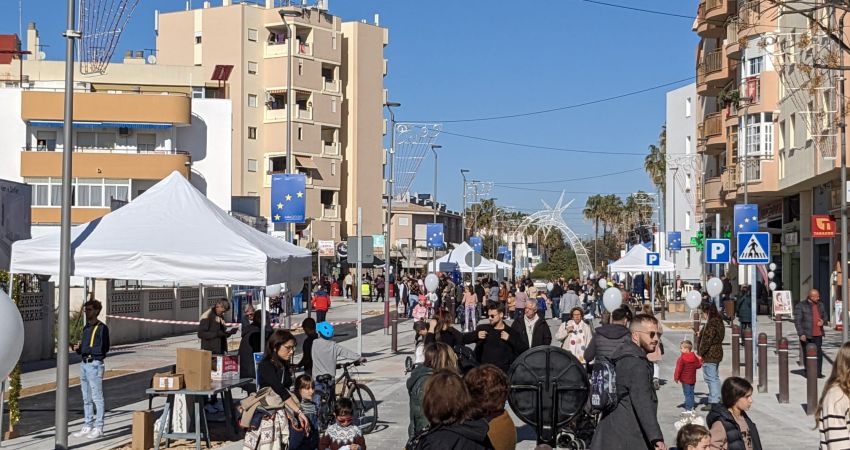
[(435, 235), (674, 241), (289, 197), (746, 218), (475, 243), (502, 249)]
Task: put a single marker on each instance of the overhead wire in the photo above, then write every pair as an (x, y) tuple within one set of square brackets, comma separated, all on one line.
[(566, 180), (541, 147)]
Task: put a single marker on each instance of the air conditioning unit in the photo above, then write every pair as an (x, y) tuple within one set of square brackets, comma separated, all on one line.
[(123, 131)]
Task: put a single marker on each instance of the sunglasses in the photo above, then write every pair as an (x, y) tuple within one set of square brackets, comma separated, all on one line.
[(652, 334)]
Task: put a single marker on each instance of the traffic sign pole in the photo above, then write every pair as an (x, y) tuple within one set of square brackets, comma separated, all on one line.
[(653, 260), (749, 244)]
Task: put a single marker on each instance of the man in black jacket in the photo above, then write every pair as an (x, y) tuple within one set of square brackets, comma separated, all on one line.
[(212, 329), (608, 338), (809, 316), (495, 342), (92, 348), (555, 295), (633, 423), (532, 330)]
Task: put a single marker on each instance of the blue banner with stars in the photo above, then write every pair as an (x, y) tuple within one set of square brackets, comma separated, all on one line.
[(746, 218), (674, 241), (289, 197), (435, 235)]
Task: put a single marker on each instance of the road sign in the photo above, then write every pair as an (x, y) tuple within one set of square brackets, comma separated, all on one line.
[(342, 249), (368, 254), (472, 259), (718, 251), (754, 248), (653, 259)]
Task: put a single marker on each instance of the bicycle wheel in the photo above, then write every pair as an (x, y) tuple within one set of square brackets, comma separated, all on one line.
[(365, 408)]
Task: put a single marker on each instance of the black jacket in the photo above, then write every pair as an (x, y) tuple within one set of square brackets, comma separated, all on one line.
[(803, 317), (277, 378), (307, 354), (416, 389), (98, 346), (633, 424), (557, 291), (734, 440), (213, 333), (249, 345), (606, 340), (541, 333), (451, 336), (471, 435), (493, 350)]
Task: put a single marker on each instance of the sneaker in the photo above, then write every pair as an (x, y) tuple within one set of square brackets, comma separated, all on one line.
[(85, 430), (95, 433)]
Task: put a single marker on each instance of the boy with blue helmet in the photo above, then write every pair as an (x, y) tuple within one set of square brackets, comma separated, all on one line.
[(327, 353)]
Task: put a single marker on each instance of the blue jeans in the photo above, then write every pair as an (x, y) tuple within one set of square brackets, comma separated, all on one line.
[(91, 383), (688, 390), (297, 304), (710, 371), (414, 300), (556, 307)]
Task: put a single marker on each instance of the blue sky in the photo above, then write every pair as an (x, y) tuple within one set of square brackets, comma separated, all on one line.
[(459, 60)]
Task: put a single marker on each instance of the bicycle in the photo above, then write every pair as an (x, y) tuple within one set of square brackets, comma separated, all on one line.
[(365, 407)]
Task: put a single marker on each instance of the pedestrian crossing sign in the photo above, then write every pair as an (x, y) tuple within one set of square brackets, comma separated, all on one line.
[(753, 248)]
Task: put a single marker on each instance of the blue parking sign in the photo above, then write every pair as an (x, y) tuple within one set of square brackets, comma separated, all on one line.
[(718, 251), (653, 259), (754, 248)]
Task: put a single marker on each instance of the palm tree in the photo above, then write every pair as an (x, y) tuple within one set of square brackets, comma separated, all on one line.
[(593, 211)]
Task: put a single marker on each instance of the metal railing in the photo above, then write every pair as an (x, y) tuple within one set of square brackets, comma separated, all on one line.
[(131, 151)]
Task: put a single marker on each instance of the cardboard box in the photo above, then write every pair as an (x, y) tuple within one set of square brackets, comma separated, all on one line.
[(168, 381), (194, 364), (225, 367), (142, 430)]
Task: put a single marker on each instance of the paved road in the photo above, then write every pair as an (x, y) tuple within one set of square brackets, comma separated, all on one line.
[(37, 411)]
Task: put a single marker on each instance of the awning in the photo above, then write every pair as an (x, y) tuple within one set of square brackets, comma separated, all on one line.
[(139, 125), (306, 162), (276, 91)]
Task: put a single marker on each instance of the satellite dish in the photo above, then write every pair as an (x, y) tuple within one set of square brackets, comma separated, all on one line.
[(151, 59), (42, 55)]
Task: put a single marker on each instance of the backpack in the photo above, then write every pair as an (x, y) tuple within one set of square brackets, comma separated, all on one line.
[(604, 396), (466, 360)]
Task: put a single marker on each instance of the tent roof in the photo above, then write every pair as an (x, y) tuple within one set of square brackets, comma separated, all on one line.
[(458, 256), (172, 232), (635, 261)]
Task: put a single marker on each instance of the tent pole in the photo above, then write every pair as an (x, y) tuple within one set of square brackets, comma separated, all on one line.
[(263, 320), (359, 282)]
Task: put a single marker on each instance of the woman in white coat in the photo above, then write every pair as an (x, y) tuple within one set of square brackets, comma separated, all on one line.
[(575, 334)]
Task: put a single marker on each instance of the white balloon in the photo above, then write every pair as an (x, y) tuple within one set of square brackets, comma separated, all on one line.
[(584, 273), (693, 299), (772, 286), (714, 286), (603, 283), (612, 298), (770, 275), (11, 335), (431, 282), (273, 290), (772, 266), (549, 286)]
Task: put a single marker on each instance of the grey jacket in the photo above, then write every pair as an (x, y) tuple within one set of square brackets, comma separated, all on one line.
[(569, 301), (633, 423), (803, 317), (326, 354)]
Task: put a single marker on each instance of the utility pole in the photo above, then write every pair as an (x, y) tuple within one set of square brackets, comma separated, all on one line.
[(463, 173), (387, 259), (843, 124), (434, 148), (752, 268), (284, 13)]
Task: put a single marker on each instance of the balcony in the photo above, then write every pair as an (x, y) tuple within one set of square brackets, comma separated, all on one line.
[(107, 163), (109, 107), (708, 27), (717, 11), (281, 49), (279, 114), (733, 43), (330, 211), (330, 148), (711, 133), (712, 191), (331, 86), (729, 183)]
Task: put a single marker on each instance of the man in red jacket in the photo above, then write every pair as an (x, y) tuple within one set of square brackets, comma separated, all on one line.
[(321, 303), (686, 372)]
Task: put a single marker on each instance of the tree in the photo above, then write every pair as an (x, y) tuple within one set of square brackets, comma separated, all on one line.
[(593, 212)]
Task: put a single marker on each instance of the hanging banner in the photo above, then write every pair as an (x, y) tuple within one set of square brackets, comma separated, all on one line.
[(746, 218), (434, 231), (326, 248), (289, 197), (674, 241), (475, 243)]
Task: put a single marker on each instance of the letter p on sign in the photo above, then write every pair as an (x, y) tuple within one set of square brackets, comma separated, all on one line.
[(653, 259), (717, 251)]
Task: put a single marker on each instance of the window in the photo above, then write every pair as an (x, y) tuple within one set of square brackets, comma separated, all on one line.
[(687, 145), (688, 107), (300, 68), (198, 39), (252, 165), (688, 258), (253, 35), (252, 68), (792, 131), (781, 164), (333, 41), (687, 220), (88, 139), (782, 130), (333, 168), (759, 134), (197, 92), (40, 189), (687, 182), (252, 132), (327, 197), (116, 189), (754, 66), (300, 133), (89, 193), (252, 100), (277, 164), (811, 113), (333, 105), (403, 222), (45, 141), (146, 142)]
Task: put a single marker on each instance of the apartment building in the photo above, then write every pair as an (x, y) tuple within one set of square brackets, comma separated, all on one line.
[(410, 219), (683, 180), (133, 126), (337, 94)]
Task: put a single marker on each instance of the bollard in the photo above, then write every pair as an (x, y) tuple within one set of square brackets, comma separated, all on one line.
[(736, 351), (811, 378), (783, 370), (762, 343), (748, 355), (777, 322), (696, 330), (394, 338)]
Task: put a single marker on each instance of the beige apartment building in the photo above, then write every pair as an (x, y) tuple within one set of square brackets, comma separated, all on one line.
[(337, 93), (767, 125)]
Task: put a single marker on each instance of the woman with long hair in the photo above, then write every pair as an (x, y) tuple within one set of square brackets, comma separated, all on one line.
[(832, 416), (470, 300), (711, 351), (274, 370), (729, 425), (488, 385), (438, 356)]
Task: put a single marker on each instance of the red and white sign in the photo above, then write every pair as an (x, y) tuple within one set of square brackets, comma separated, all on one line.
[(823, 226), (326, 248)]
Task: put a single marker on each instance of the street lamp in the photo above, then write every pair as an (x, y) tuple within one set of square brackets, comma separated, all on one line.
[(284, 13), (463, 173), (434, 148), (387, 259)]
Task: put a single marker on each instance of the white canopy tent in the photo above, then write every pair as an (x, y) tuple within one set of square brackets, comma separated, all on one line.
[(458, 256), (635, 261), (172, 232)]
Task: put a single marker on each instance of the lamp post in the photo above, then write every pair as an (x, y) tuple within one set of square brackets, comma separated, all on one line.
[(284, 13), (434, 148), (463, 173), (387, 259)]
